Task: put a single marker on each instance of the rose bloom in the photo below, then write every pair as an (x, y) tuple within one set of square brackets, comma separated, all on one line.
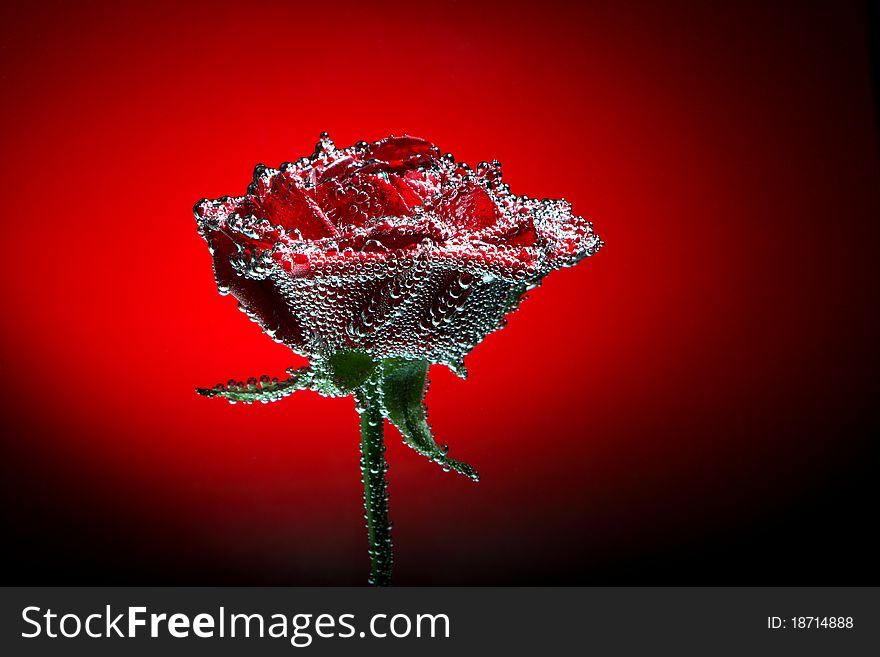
[(385, 248)]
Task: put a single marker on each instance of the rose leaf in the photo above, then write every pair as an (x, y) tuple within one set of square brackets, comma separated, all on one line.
[(404, 383), (265, 391)]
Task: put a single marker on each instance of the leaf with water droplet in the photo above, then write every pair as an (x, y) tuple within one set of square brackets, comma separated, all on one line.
[(404, 383), (268, 390)]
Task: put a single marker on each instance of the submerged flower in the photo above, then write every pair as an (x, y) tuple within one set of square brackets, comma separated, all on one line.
[(374, 262), (386, 248)]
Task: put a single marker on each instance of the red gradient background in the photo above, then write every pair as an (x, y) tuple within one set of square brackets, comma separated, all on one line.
[(693, 405)]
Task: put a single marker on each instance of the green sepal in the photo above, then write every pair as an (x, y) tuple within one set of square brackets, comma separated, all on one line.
[(404, 383), (349, 370), (262, 391)]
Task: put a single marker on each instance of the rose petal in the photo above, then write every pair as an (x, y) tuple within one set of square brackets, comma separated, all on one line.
[(393, 148), (415, 187), (360, 198), (524, 236), (467, 207), (340, 169), (210, 213), (260, 298), (523, 233), (287, 203)]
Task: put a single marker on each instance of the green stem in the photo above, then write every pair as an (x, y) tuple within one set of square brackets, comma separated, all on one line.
[(373, 468)]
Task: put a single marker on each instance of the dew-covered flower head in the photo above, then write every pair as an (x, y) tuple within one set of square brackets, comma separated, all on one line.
[(387, 248)]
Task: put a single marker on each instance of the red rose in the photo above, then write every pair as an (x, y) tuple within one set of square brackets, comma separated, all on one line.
[(386, 248), (375, 261)]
